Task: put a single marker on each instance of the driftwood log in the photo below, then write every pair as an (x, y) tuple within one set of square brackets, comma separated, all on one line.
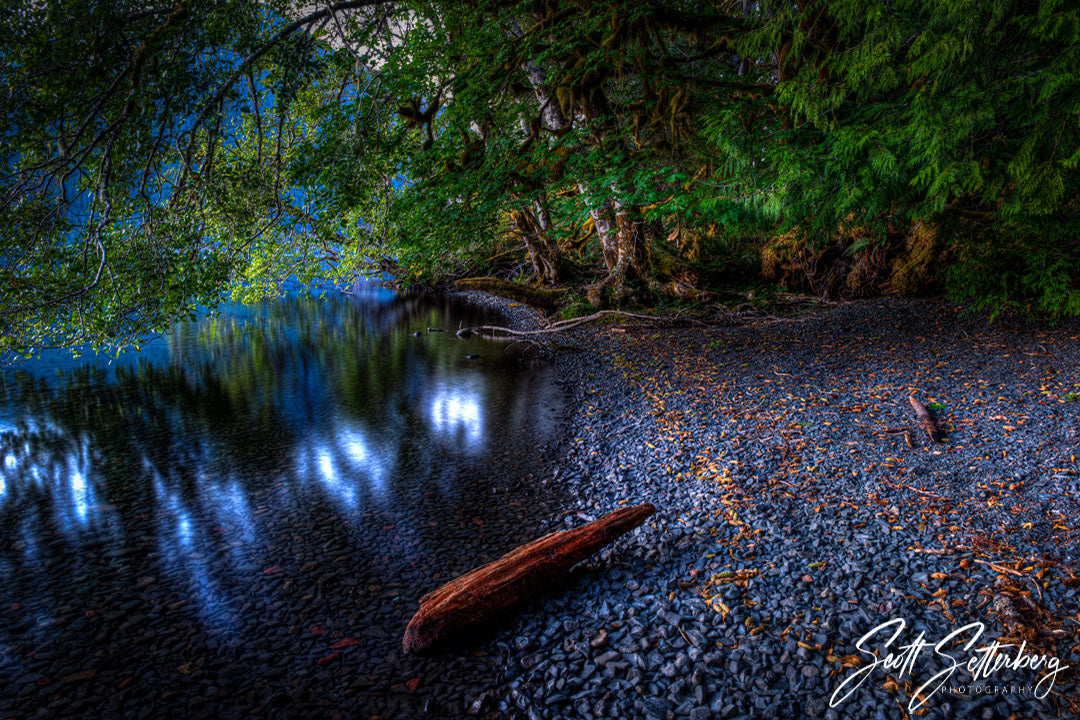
[(490, 591), (925, 419)]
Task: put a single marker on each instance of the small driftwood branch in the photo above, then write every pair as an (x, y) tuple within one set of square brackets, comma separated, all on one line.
[(490, 330), (925, 419), (489, 592), (999, 568), (920, 491), (940, 551)]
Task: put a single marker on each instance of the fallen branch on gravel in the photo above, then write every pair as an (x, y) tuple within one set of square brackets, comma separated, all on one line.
[(489, 331), (940, 551), (914, 489), (812, 299), (925, 419), (488, 592), (1000, 568)]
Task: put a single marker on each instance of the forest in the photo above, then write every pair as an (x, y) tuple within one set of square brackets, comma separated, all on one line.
[(160, 158), (546, 359)]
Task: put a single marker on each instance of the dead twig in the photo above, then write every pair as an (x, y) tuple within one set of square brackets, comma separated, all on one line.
[(940, 551), (914, 489), (489, 331), (999, 568)]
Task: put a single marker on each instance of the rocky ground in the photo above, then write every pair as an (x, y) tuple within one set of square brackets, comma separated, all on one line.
[(794, 518)]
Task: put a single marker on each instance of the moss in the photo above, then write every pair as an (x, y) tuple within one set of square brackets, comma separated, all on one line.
[(914, 272), (854, 263), (778, 254), (797, 262), (574, 309)]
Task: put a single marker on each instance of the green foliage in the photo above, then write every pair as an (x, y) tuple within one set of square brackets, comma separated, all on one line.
[(906, 112), (575, 309), (1020, 267), (159, 160)]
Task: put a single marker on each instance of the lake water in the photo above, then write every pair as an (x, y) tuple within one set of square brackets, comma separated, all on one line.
[(195, 528)]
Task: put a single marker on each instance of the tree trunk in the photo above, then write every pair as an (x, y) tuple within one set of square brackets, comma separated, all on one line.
[(488, 592), (549, 108), (544, 259), (632, 258), (605, 227), (534, 228), (620, 227), (630, 254), (556, 120)]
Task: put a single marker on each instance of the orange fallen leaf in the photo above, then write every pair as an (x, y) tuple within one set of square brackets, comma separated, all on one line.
[(332, 657)]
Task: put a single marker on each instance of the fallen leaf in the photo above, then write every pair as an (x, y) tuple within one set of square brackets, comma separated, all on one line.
[(332, 657), (344, 643), (79, 677)]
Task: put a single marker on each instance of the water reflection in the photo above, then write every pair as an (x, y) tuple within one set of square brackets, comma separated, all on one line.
[(185, 462), (456, 413), (184, 548), (46, 466), (232, 510)]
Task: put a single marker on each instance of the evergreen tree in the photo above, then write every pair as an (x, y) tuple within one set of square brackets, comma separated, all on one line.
[(159, 158)]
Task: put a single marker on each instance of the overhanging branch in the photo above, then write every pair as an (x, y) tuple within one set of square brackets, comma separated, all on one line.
[(246, 63)]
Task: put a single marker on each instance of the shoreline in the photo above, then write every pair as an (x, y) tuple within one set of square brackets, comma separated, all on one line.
[(791, 521), (518, 316)]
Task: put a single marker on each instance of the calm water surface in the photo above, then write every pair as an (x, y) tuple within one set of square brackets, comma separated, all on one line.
[(200, 522)]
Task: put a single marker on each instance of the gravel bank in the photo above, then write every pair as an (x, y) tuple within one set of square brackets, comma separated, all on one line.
[(794, 518)]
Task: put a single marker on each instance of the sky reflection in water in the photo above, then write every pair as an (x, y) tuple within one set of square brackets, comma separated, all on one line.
[(182, 460)]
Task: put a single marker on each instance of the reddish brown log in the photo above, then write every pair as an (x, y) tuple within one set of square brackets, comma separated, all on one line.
[(925, 419), (490, 591)]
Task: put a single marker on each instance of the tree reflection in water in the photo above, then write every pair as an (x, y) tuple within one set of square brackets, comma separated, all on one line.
[(195, 458)]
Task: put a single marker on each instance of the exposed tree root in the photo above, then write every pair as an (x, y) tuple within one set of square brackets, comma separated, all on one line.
[(681, 291)]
